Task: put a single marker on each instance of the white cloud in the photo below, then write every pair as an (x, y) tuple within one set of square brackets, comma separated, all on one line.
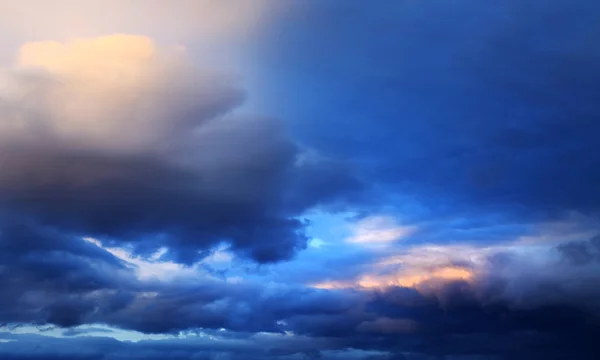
[(114, 93), (377, 230)]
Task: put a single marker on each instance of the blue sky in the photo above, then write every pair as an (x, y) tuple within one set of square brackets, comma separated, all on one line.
[(232, 180)]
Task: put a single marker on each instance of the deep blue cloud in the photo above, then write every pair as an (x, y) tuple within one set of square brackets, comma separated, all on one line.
[(465, 106), (543, 319), (50, 278)]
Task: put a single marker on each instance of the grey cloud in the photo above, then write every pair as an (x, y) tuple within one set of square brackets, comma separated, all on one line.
[(461, 319), (153, 157)]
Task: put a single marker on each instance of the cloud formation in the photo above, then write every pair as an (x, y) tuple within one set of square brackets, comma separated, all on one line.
[(117, 138), (146, 214), (56, 279)]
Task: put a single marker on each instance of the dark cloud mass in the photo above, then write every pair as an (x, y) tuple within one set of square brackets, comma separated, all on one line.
[(50, 278)]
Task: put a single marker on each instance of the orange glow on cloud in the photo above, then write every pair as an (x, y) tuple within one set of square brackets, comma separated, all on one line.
[(412, 278), (422, 267), (94, 59), (118, 92)]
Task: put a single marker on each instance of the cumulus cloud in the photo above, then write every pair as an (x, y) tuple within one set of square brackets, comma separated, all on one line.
[(118, 138), (116, 93), (388, 326), (55, 279), (126, 173), (541, 301), (121, 163), (52, 278)]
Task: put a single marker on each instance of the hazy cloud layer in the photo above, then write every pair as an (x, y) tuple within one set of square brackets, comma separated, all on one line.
[(511, 301)]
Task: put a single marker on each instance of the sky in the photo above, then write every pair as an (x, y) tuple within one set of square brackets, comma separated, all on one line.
[(289, 180)]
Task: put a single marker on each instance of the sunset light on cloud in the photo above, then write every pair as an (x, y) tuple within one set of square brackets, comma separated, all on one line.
[(337, 180), (408, 279)]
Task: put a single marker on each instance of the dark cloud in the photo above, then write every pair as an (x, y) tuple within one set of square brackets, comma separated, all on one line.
[(465, 107), (137, 198), (196, 347), (581, 252), (51, 278), (152, 160), (501, 315)]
